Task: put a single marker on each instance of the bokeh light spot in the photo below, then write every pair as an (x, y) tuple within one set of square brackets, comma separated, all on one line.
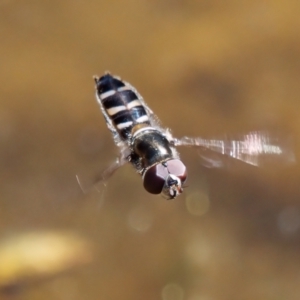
[(197, 203), (140, 219), (172, 291), (289, 220)]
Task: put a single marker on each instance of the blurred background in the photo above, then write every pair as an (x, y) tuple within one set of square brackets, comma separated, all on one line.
[(206, 68)]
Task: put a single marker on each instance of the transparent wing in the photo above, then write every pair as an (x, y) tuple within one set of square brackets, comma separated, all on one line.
[(256, 148), (86, 184)]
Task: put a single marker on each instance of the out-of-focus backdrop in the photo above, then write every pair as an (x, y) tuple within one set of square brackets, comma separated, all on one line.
[(206, 68)]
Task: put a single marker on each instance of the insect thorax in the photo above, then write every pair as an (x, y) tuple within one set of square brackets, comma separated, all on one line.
[(149, 146)]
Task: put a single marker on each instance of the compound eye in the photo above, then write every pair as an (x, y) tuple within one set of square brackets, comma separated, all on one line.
[(177, 168), (154, 179)]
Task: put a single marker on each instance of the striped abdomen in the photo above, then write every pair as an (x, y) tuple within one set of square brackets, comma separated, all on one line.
[(121, 103)]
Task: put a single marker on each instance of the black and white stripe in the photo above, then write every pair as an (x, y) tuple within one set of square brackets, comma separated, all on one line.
[(122, 104)]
